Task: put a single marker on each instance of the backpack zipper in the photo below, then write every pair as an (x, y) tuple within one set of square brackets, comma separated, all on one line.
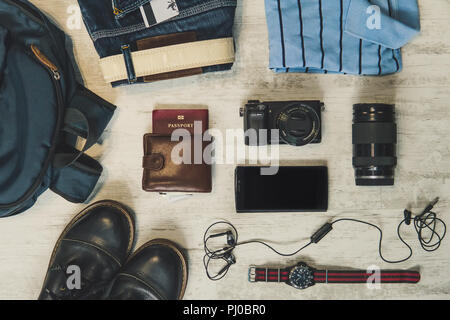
[(46, 62), (55, 76)]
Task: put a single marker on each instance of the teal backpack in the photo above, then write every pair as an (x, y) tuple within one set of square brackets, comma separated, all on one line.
[(43, 112)]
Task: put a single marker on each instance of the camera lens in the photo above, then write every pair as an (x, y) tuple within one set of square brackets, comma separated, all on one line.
[(299, 124), (374, 144)]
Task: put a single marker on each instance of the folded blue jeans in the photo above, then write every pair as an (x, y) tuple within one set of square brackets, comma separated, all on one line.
[(116, 27), (360, 37)]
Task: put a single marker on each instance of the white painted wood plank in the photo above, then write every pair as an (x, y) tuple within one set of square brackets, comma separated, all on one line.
[(422, 95)]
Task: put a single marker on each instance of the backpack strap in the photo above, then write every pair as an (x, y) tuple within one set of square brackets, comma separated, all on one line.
[(76, 182), (75, 174), (76, 124)]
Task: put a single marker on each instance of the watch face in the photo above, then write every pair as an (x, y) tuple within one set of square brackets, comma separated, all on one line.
[(301, 277)]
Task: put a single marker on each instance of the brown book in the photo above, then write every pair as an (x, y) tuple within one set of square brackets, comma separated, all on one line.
[(168, 120), (169, 40), (162, 174)]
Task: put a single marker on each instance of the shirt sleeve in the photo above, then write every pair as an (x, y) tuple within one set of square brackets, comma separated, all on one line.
[(392, 25)]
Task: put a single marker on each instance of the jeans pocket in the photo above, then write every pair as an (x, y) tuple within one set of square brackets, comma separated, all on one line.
[(122, 8), (127, 12)]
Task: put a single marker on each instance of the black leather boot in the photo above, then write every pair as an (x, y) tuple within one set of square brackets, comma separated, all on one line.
[(156, 271), (93, 247)]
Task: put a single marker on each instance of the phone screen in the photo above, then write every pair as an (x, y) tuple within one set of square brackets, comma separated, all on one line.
[(292, 189)]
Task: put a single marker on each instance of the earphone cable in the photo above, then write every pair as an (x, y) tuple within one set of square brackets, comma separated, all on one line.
[(224, 253), (426, 221), (381, 238)]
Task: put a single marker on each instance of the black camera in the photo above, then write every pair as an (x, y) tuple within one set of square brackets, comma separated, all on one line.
[(299, 122)]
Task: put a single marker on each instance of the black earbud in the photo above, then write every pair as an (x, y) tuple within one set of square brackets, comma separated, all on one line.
[(231, 240), (230, 259)]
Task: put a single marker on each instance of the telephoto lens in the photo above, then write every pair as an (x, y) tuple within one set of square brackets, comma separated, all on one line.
[(374, 144)]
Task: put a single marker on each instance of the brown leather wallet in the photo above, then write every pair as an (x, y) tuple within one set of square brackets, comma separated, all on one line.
[(161, 174)]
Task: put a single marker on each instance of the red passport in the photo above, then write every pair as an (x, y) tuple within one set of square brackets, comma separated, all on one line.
[(166, 121)]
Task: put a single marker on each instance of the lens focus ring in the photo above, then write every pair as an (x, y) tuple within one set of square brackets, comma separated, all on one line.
[(374, 132)]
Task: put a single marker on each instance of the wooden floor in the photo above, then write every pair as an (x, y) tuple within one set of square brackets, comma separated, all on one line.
[(421, 93)]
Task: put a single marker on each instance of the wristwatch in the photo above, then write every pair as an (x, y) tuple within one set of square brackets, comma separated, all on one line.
[(303, 276)]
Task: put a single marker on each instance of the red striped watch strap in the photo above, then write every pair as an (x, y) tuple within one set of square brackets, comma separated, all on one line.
[(362, 276), (269, 275), (259, 274)]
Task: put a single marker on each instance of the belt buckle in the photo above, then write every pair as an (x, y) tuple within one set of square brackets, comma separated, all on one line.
[(252, 274)]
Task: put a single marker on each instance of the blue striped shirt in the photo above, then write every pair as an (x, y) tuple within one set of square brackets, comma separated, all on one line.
[(340, 36)]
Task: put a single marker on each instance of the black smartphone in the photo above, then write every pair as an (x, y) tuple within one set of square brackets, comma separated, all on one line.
[(292, 189)]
